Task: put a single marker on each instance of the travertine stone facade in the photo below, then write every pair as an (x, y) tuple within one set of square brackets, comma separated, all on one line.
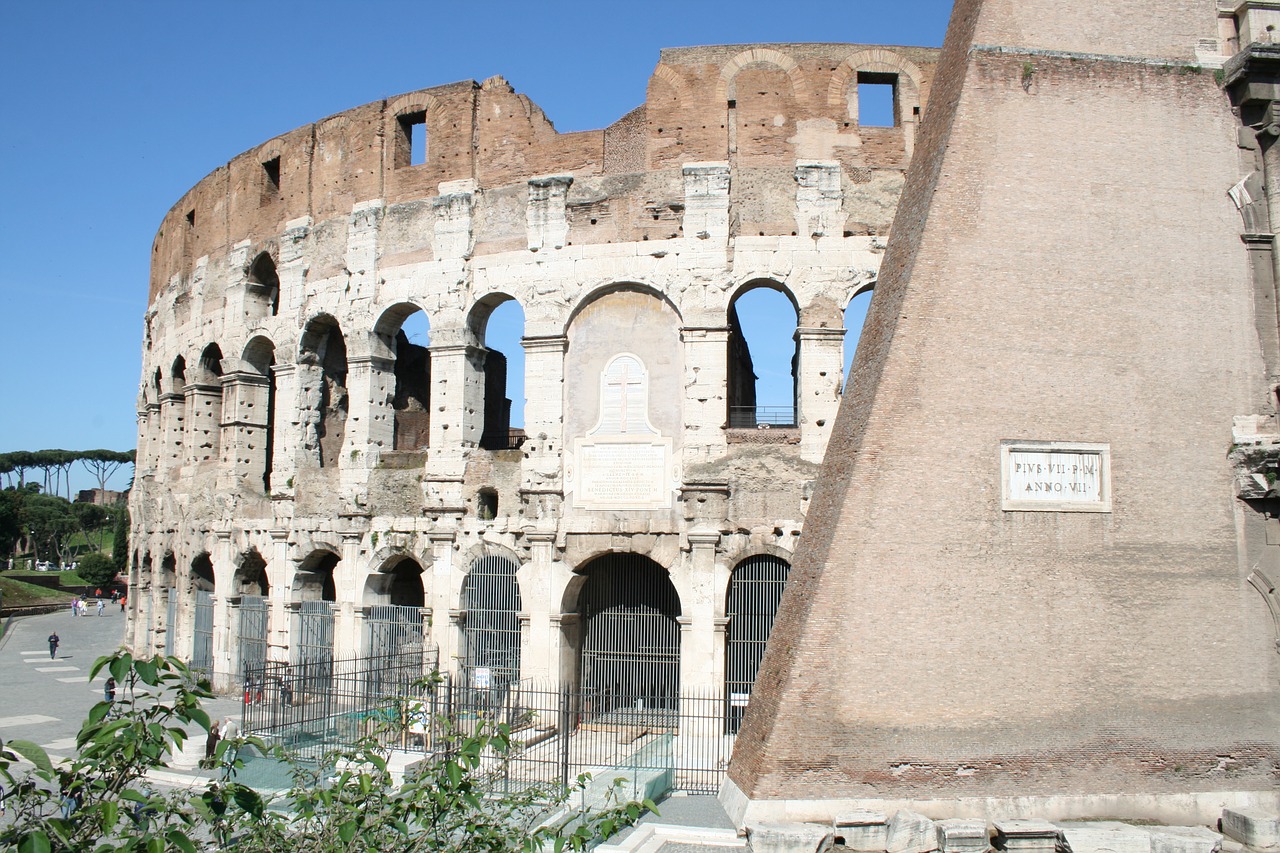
[(1031, 584), (294, 444)]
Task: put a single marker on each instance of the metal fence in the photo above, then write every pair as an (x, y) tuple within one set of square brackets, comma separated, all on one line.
[(761, 417), (202, 647), (558, 732)]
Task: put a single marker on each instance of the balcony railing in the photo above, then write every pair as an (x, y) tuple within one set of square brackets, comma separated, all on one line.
[(761, 417)]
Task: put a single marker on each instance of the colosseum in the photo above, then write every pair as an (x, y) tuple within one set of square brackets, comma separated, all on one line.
[(313, 482)]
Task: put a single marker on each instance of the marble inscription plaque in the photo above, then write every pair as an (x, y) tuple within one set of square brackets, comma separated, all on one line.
[(622, 474), (1054, 476)]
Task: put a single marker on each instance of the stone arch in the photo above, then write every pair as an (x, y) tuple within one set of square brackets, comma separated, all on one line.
[(502, 372), (405, 368), (250, 576), (322, 383), (601, 291), (666, 108), (754, 592), (263, 289), (758, 56), (178, 375), (490, 606), (875, 60), (747, 407), (314, 578), (404, 116)]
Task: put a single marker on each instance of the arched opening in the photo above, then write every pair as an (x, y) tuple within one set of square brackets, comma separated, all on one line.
[(315, 594), (174, 406), (323, 378), (264, 285), (630, 650), (205, 394), (202, 588), (763, 353), (755, 589), (762, 109), (260, 355), (855, 317), (498, 322), (169, 589), (404, 333), (491, 623), (251, 585), (396, 624)]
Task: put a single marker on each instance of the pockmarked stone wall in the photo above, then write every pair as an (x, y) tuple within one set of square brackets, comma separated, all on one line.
[(1029, 584), (311, 478)]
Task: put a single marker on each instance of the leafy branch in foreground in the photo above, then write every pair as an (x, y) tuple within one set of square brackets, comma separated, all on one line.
[(101, 801)]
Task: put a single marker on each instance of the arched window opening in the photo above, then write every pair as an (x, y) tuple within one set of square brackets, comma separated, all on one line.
[(412, 400), (491, 623), (755, 589), (202, 587), (323, 369), (264, 285), (763, 354), (315, 593), (206, 405), (487, 504), (252, 587), (878, 99), (178, 376), (629, 669), (762, 112), (503, 330), (169, 589), (396, 623), (260, 354), (855, 317)]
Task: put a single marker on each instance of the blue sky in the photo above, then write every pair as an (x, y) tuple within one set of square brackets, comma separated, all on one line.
[(113, 110)]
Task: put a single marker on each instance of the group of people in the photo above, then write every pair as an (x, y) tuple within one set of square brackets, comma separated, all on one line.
[(79, 606)]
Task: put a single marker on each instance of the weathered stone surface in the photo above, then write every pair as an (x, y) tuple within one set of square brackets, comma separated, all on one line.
[(866, 831), (960, 835), (911, 833), (1026, 836), (789, 838), (1105, 837), (1185, 839), (1252, 827)]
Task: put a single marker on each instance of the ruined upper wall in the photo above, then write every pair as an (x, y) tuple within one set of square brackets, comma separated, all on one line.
[(759, 107), (1161, 29)]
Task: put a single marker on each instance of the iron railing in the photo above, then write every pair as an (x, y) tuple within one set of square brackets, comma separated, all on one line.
[(761, 417)]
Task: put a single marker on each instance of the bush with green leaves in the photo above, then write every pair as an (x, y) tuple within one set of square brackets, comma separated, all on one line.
[(96, 569), (101, 800)]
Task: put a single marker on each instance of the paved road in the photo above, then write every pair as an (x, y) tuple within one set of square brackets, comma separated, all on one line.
[(44, 700)]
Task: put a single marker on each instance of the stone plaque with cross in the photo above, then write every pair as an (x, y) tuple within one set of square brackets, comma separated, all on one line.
[(623, 463)]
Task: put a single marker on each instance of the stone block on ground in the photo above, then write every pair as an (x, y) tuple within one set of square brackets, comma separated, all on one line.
[(863, 831), (911, 833), (1185, 839), (789, 838), (1252, 827), (959, 835), (1026, 836), (1105, 837)]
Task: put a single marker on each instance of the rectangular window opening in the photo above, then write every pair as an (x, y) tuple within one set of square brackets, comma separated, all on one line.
[(877, 100), (412, 147), (271, 171)]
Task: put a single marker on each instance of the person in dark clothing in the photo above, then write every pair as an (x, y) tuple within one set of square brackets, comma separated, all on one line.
[(211, 742), (109, 690), (54, 641)]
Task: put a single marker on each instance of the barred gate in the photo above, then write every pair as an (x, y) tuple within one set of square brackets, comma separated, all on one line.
[(170, 619), (631, 642), (202, 650), (394, 629), (254, 616), (491, 627), (313, 631), (755, 590)]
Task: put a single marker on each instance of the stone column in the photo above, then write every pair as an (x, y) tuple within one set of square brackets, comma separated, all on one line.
[(539, 651), (280, 575), (285, 444), (546, 225), (698, 652), (244, 433), (457, 420), (819, 199), (380, 427), (706, 376), (225, 643), (173, 409), (543, 413), (346, 625), (443, 601), (818, 393)]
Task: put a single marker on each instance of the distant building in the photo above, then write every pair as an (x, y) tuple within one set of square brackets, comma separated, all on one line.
[(103, 497)]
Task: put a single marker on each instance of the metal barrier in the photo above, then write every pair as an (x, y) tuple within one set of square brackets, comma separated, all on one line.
[(761, 417)]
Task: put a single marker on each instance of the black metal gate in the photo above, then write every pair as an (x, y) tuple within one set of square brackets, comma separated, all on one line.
[(202, 649), (394, 629), (313, 631), (254, 616), (491, 626), (631, 640), (755, 589)]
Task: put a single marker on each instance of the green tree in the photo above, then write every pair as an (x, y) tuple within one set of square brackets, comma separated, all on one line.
[(120, 543), (96, 568), (10, 520), (50, 522), (453, 804)]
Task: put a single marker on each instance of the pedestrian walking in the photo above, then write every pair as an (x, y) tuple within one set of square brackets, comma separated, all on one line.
[(75, 606), (54, 641), (211, 742), (98, 593), (115, 596), (123, 599), (102, 605), (109, 690)]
